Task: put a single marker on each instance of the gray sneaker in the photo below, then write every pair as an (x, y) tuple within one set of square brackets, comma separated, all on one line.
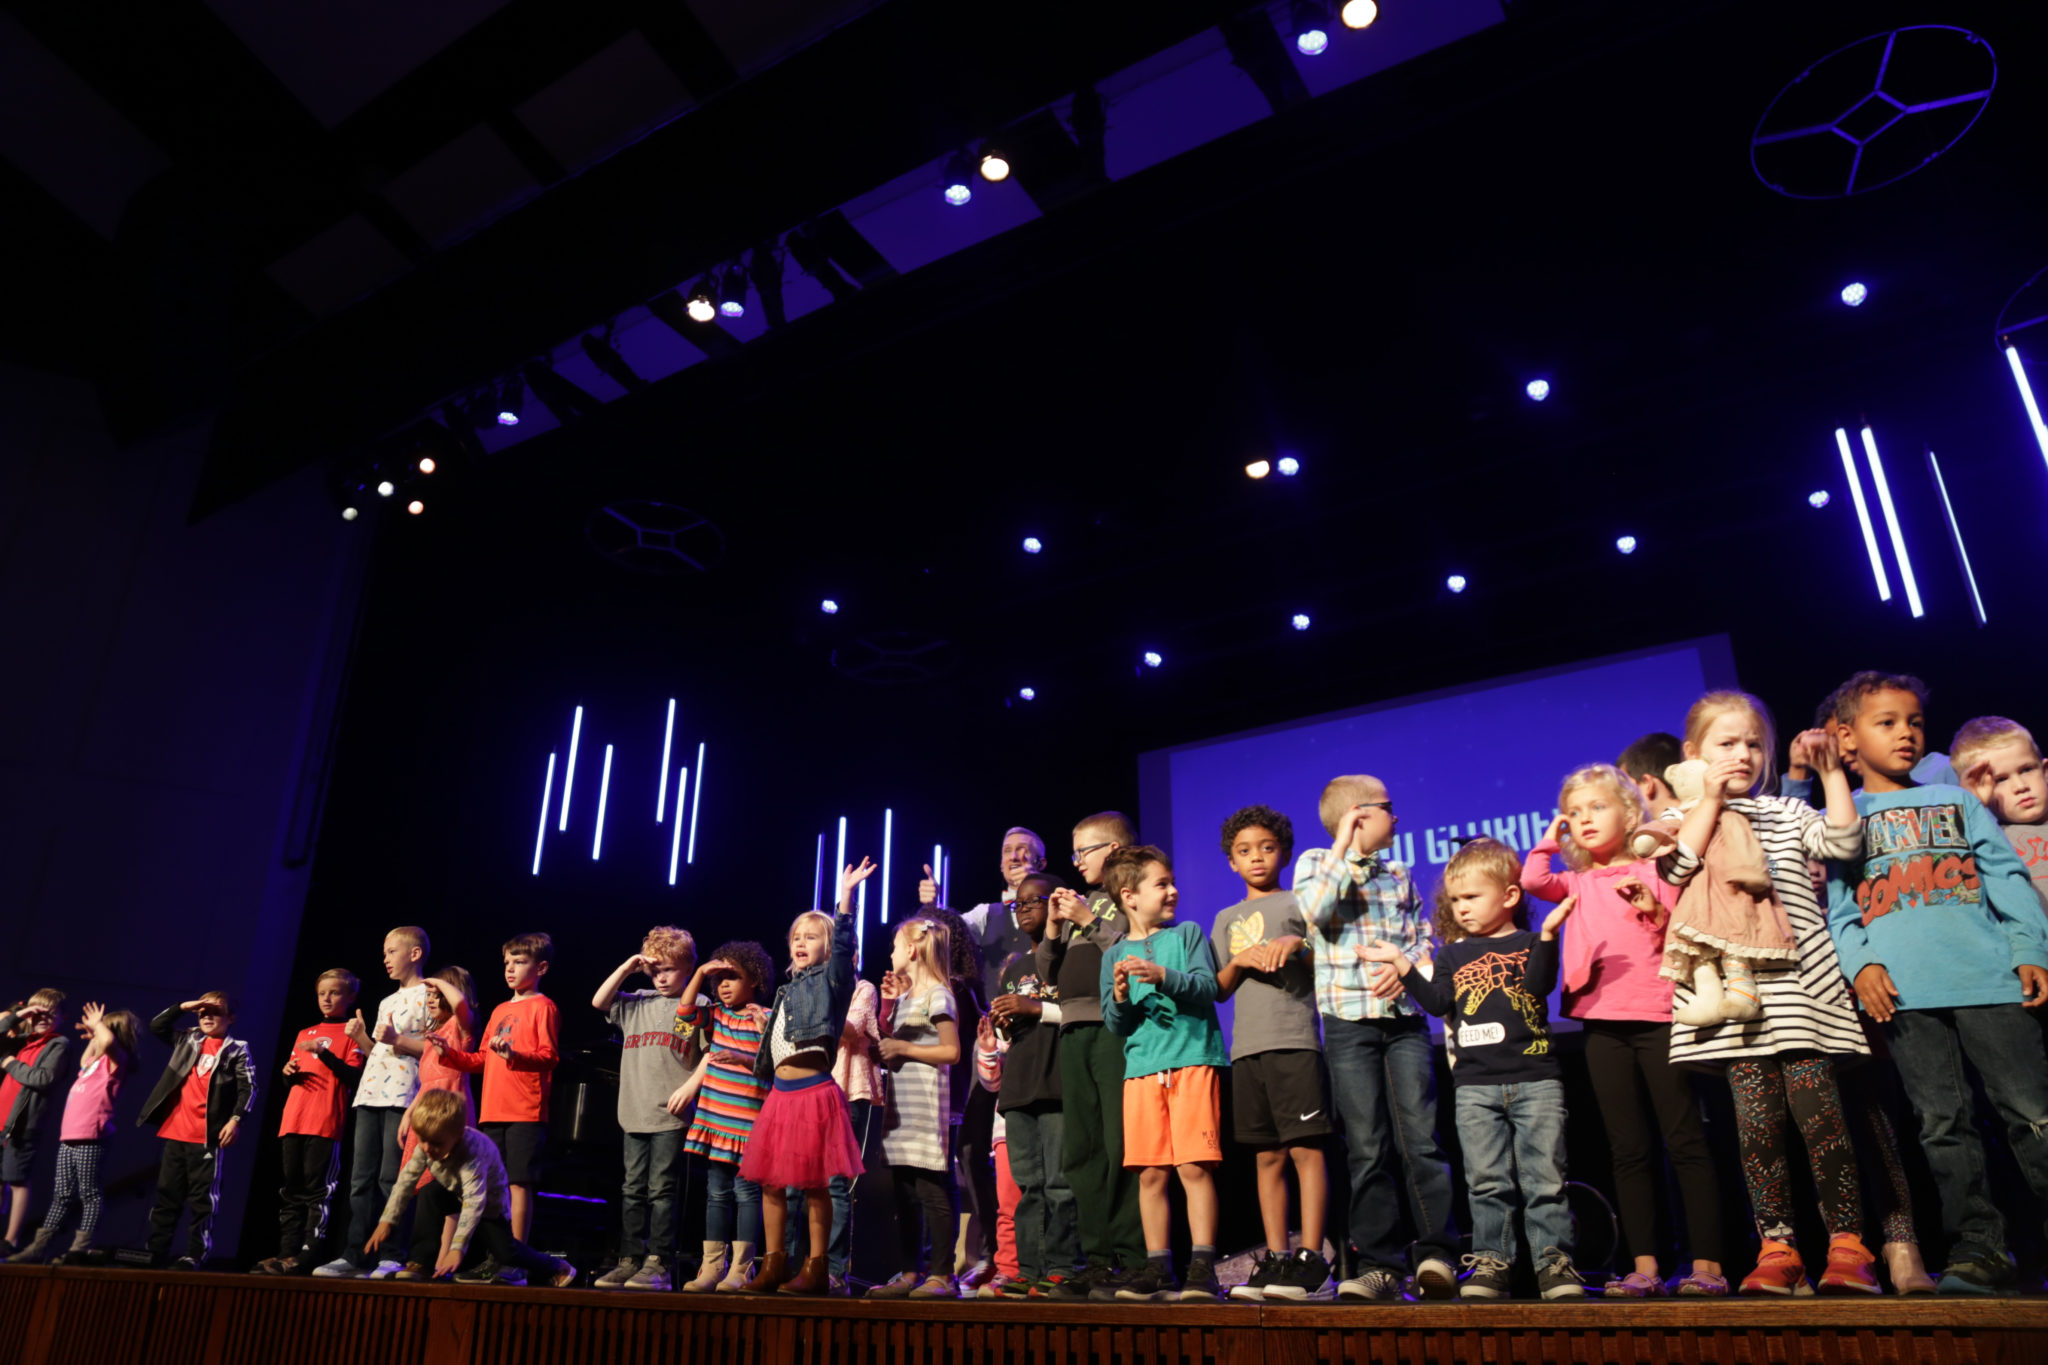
[(1486, 1277), (340, 1268), (1377, 1285), (618, 1275), (1557, 1278), (653, 1275)]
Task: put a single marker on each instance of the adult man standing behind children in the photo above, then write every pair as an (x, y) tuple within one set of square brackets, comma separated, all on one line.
[(1376, 1044)]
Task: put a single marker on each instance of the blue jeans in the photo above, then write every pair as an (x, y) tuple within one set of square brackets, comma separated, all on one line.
[(2004, 1045), (732, 1206), (373, 1174), (839, 1252), (1513, 1136), (647, 1213), (1046, 1221), (1383, 1073)]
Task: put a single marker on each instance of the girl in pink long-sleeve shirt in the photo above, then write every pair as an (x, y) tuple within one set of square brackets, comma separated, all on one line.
[(1613, 949)]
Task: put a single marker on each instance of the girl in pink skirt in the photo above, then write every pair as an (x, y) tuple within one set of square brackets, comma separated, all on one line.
[(804, 1134)]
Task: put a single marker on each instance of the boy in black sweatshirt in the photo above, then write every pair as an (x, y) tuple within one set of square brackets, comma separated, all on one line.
[(198, 1104)]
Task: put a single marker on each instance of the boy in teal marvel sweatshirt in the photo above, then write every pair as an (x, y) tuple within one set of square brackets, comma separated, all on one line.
[(1159, 996), (1940, 931)]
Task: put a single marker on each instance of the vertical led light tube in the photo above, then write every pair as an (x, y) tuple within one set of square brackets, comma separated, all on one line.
[(1891, 522), (1955, 531), (675, 839), (888, 832), (604, 790), (696, 804), (839, 863), (668, 733), (2019, 377), (547, 789), (818, 878), (1884, 583), (569, 775)]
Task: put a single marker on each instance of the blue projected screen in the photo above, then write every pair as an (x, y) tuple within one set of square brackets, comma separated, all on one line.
[(1481, 759)]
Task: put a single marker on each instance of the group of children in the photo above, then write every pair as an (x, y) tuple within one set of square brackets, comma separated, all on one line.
[(1704, 918)]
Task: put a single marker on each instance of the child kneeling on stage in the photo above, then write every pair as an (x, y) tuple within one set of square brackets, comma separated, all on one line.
[(469, 1181)]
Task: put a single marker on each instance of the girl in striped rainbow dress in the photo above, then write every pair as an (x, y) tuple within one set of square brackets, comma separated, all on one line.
[(729, 1030)]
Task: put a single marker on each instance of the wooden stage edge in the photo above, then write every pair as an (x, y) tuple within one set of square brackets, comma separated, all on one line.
[(54, 1316)]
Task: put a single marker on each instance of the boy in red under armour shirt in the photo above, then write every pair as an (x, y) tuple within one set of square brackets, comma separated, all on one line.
[(198, 1104), (323, 1068), (517, 1058)]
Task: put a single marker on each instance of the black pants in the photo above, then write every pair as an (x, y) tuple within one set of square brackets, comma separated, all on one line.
[(189, 1176), (1628, 1063), (977, 1157), (931, 1193), (493, 1236), (311, 1166)]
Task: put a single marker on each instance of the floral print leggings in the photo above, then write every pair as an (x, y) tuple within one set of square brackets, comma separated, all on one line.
[(1765, 1089)]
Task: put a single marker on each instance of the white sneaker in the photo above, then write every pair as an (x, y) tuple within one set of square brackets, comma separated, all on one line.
[(340, 1268), (383, 1270), (1374, 1286), (1436, 1278)]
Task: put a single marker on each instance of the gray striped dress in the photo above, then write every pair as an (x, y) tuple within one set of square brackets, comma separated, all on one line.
[(1807, 1007), (920, 1094)]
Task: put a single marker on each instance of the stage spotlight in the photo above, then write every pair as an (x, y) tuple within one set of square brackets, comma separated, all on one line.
[(415, 507), (1028, 693), (1538, 389), (829, 607), (511, 397), (994, 165), (732, 292), (349, 514), (960, 178), (1032, 545), (1817, 499), (1854, 294), (427, 465), (702, 306), (1456, 582), (1259, 469), (1311, 24), (1289, 466), (1301, 620), (1359, 13), (386, 489), (1153, 658), (1627, 545)]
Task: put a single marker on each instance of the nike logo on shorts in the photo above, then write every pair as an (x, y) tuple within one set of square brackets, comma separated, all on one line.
[(1310, 1114)]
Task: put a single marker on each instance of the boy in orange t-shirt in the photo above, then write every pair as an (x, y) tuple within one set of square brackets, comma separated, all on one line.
[(517, 1059)]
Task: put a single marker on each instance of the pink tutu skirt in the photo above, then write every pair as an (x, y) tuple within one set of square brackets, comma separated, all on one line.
[(802, 1137)]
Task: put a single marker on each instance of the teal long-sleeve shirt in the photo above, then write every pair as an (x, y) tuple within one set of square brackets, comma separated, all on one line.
[(1939, 899), (1173, 1024)]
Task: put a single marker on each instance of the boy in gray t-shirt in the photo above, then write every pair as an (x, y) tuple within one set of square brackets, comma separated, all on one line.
[(1280, 1091), (653, 1067)]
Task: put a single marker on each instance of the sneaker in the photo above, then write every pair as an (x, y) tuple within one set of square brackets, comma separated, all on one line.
[(564, 1274), (616, 1277), (652, 1274), (269, 1265), (835, 1286), (1199, 1285), (897, 1286), (1075, 1288), (1985, 1274), (1850, 1268), (340, 1268), (184, 1263), (489, 1270), (1779, 1271), (1303, 1277), (934, 1287), (1435, 1279), (1486, 1277), (1052, 1286), (1263, 1270), (1557, 1278), (996, 1287), (1106, 1289), (977, 1275), (1377, 1285), (413, 1270), (384, 1270), (1152, 1283), (1016, 1287)]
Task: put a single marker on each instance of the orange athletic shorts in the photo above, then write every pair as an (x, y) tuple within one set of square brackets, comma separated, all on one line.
[(1173, 1117)]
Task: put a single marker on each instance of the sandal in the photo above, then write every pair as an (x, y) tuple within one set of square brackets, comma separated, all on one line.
[(1701, 1285), (1634, 1285)]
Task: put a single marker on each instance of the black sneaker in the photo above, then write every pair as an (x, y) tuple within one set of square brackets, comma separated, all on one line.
[(1075, 1288), (1486, 1277), (1254, 1289), (1153, 1283), (1200, 1284), (1557, 1278), (1988, 1274), (1303, 1277), (486, 1271), (184, 1263), (1112, 1282)]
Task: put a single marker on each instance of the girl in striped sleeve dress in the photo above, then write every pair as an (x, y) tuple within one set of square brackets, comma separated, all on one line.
[(919, 1047), (1779, 1064), (730, 1031)]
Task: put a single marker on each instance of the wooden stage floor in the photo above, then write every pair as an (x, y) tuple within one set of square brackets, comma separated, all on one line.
[(88, 1316)]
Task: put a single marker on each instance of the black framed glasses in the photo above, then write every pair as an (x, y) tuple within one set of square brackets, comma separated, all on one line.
[(1386, 806), (1081, 853)]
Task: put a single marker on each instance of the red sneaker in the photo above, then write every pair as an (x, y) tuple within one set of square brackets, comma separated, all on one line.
[(1849, 1267), (1779, 1271)]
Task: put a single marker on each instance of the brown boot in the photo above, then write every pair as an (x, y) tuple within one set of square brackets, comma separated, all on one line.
[(770, 1273), (814, 1278)]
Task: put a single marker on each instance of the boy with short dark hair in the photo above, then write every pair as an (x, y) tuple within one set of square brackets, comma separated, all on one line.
[(469, 1182), (1092, 1069), (1939, 929), (1376, 1043), (517, 1059), (197, 1105), (653, 1064), (323, 1068), (1644, 762), (1029, 1110), (1999, 762), (1159, 995), (1280, 1090), (32, 1052)]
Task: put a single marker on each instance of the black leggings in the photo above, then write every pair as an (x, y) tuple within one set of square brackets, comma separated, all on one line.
[(977, 1158), (1628, 1062), (931, 1193), (1765, 1089)]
